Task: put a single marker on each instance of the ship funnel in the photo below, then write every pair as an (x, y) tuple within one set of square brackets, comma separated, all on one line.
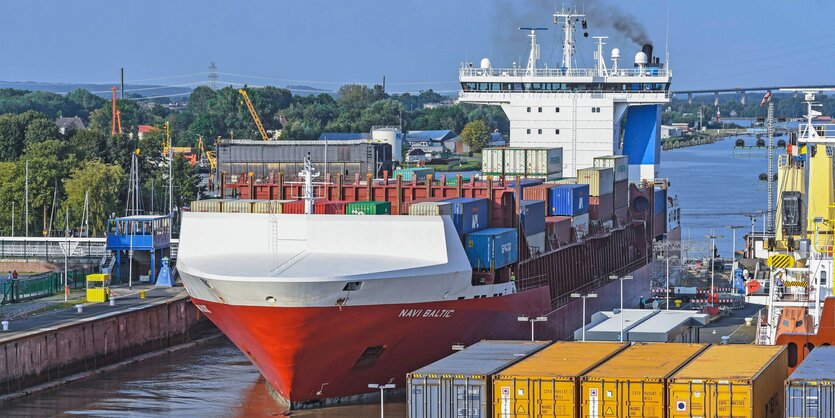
[(647, 49)]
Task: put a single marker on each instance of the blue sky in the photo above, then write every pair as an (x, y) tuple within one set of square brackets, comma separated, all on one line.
[(417, 44)]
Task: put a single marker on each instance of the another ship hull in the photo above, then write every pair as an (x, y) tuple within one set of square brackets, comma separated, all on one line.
[(315, 353)]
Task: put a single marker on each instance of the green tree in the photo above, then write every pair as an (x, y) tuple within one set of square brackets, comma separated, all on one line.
[(40, 130), (103, 183), (89, 144), (11, 137), (476, 135)]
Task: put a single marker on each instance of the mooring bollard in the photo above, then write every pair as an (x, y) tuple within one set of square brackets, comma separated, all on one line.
[(5, 325), (79, 308), (112, 302)]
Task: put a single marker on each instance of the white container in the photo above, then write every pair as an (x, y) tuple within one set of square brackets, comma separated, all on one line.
[(431, 209), (206, 205), (514, 161), (536, 242), (601, 180), (580, 223), (492, 161), (543, 162), (619, 163)]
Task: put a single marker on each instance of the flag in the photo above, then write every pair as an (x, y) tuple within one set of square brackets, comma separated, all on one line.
[(766, 98)]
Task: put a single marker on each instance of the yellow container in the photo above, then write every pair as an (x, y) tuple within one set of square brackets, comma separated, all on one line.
[(731, 380), (98, 287), (546, 384), (633, 383)]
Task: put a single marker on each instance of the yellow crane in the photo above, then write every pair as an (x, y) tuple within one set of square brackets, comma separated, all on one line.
[(254, 115), (209, 155)]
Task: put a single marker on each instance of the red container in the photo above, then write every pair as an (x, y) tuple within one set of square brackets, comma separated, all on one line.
[(621, 194), (602, 208), (539, 192), (557, 231), (659, 223), (320, 207)]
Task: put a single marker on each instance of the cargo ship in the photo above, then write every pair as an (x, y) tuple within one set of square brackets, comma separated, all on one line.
[(329, 284)]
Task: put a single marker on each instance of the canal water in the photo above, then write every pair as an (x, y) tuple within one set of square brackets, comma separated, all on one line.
[(715, 188)]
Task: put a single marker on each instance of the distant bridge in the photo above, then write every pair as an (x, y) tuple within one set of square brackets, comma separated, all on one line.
[(743, 90)]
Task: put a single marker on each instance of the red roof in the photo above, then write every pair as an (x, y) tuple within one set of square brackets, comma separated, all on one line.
[(146, 128)]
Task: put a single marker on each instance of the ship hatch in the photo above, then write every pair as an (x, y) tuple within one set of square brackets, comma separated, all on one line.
[(369, 357)]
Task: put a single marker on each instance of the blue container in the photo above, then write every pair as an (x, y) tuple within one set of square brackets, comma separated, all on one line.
[(470, 214), (524, 183), (492, 248), (533, 216), (660, 201), (569, 200)]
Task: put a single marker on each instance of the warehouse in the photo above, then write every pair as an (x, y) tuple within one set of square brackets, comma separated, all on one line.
[(644, 325)]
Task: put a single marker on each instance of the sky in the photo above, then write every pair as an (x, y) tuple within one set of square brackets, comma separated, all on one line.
[(415, 44)]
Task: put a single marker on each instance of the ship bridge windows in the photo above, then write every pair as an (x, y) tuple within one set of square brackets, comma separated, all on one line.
[(562, 87)]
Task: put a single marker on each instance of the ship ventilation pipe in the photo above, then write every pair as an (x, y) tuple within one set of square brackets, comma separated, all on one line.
[(647, 49)]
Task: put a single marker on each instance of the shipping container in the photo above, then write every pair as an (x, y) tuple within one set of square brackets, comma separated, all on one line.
[(408, 174), (460, 385), (569, 200), (368, 208), (601, 208), (469, 214), (236, 206), (453, 181), (621, 194), (547, 384), (731, 380), (207, 205), (431, 209), (632, 383), (269, 206), (543, 162), (660, 201), (539, 192), (533, 216), (525, 183), (492, 248), (536, 242), (407, 205), (320, 207), (810, 390), (601, 180), (580, 223), (618, 163), (558, 231)]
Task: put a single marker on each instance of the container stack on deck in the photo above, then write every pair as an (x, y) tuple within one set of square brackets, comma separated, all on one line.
[(810, 390), (620, 165), (505, 379)]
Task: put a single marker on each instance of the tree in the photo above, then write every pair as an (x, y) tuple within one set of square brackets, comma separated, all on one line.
[(89, 144), (40, 130), (476, 135), (104, 183), (11, 137)]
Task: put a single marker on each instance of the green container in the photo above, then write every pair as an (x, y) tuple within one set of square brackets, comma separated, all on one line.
[(418, 173), (368, 208), (454, 181)]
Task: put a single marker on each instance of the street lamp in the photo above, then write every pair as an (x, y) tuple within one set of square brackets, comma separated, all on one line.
[(531, 320), (589, 295), (382, 388), (712, 264), (621, 301), (733, 255)]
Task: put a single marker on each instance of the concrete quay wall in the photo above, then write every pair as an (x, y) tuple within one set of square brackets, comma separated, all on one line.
[(48, 354)]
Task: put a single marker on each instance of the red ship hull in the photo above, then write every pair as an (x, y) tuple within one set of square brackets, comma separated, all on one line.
[(314, 353)]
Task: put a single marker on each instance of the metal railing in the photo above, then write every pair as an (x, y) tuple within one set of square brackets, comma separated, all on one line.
[(506, 95), (825, 133), (91, 249), (558, 72), (42, 285)]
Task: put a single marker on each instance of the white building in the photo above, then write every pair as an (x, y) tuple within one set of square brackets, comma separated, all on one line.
[(668, 131), (578, 109)]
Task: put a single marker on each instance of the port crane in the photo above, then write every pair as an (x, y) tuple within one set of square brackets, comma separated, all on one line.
[(254, 114), (116, 115), (208, 155)]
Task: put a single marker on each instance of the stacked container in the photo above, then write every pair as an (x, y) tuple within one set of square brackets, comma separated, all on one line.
[(569, 200), (469, 214), (557, 231), (633, 383), (430, 209), (236, 206), (320, 207), (269, 206), (620, 165), (368, 208), (542, 163), (566, 180), (492, 248), (547, 384), (601, 181), (459, 385), (207, 205), (409, 174), (730, 380), (533, 223), (407, 205), (809, 390), (539, 192)]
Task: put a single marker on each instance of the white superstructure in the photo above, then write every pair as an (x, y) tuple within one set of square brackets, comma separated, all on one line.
[(577, 109)]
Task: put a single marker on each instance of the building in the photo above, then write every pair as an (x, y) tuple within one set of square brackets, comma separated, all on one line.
[(68, 125), (579, 109), (669, 131), (344, 136), (432, 142), (645, 325), (416, 156), (684, 127), (143, 129)]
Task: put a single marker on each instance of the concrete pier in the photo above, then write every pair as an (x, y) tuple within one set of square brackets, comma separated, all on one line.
[(53, 345)]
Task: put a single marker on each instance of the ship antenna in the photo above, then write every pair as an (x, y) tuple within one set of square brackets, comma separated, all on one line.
[(568, 34), (533, 57), (308, 173)]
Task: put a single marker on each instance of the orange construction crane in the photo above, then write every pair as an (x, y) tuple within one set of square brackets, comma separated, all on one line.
[(254, 115), (116, 115)]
